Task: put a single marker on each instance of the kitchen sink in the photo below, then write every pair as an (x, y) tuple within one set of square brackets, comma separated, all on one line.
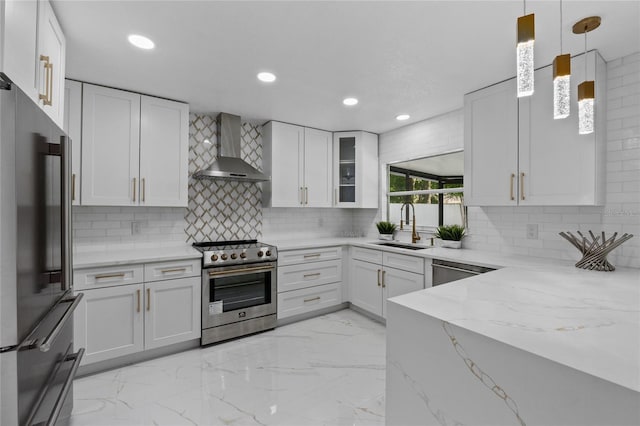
[(403, 246)]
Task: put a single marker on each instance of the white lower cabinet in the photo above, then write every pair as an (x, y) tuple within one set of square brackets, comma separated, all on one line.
[(372, 283), (124, 318), (109, 322), (307, 282), (172, 312), (308, 299)]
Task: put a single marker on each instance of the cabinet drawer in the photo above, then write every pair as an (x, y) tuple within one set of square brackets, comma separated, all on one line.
[(404, 262), (85, 279), (293, 257), (294, 277), (172, 269), (368, 255), (308, 299)]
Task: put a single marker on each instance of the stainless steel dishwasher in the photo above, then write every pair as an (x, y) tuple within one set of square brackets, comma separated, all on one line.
[(445, 271)]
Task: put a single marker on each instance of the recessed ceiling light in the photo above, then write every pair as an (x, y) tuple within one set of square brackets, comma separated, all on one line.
[(350, 101), (267, 77), (402, 117), (141, 42)]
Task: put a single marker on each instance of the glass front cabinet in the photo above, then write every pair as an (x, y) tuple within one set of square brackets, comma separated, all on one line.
[(355, 169)]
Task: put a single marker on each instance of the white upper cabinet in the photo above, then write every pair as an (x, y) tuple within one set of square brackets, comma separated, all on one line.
[(317, 168), (51, 58), (517, 154), (558, 166), (110, 146), (135, 149), (73, 128), (299, 162), (164, 152), (283, 146), (19, 44), (355, 169), (491, 145), (33, 53)]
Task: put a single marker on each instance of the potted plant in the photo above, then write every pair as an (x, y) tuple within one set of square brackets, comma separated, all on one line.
[(451, 235), (386, 230)]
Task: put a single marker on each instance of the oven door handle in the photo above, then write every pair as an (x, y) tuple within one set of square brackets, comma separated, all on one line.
[(240, 271)]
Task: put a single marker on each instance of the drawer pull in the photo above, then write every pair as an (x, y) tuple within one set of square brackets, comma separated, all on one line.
[(383, 274), (138, 304), (309, 256), (315, 274), (166, 271), (115, 275), (312, 299), (148, 299), (378, 277)]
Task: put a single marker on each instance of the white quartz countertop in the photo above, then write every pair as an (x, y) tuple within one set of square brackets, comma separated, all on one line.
[(123, 255), (586, 320)]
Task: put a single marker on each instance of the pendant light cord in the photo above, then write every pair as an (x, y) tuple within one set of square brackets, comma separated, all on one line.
[(585, 52), (561, 28)]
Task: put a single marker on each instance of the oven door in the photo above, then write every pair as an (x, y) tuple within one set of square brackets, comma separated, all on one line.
[(237, 293)]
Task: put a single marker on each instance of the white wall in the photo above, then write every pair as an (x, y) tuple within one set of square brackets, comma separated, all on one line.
[(503, 229)]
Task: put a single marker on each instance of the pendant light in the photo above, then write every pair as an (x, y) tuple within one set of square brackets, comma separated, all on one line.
[(586, 89), (524, 53), (561, 81)]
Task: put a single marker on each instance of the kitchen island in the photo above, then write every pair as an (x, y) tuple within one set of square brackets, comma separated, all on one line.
[(518, 346)]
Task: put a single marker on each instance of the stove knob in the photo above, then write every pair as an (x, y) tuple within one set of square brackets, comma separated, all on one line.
[(234, 256), (260, 253), (243, 255), (214, 257), (224, 257), (268, 253)]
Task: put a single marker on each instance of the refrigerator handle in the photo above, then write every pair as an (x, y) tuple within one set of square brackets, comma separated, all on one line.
[(65, 201)]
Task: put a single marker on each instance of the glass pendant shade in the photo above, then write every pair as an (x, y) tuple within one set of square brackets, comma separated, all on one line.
[(586, 97), (561, 86), (526, 38)]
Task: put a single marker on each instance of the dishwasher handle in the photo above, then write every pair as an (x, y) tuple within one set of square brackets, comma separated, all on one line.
[(451, 268)]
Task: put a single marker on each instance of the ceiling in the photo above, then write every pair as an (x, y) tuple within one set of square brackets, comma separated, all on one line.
[(416, 57), (451, 164)]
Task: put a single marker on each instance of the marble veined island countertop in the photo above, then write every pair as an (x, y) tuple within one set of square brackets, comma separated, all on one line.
[(577, 330)]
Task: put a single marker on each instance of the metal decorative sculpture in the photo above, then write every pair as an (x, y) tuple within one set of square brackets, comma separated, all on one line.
[(595, 251)]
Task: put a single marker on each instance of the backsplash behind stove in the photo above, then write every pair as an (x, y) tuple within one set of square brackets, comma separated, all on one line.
[(222, 210)]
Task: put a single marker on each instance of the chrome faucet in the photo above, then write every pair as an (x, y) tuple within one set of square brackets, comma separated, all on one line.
[(414, 235)]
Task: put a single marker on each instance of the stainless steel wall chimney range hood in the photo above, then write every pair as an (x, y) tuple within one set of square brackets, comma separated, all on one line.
[(229, 165)]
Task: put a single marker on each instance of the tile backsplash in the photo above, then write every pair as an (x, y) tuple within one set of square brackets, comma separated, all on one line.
[(222, 210)]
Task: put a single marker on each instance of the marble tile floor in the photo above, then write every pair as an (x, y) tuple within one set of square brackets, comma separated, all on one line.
[(328, 370)]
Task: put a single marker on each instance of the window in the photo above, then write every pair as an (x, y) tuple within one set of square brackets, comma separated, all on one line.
[(437, 199)]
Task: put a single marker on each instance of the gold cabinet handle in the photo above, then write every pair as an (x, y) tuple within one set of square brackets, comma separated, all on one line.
[(522, 186), (166, 271), (134, 189), (47, 79), (306, 195), (148, 299), (301, 196), (379, 278), (143, 190), (315, 274), (312, 299), (50, 96), (309, 256), (138, 293), (73, 187), (511, 196), (114, 275), (383, 274)]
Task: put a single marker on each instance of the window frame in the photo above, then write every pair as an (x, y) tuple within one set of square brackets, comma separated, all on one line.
[(441, 181)]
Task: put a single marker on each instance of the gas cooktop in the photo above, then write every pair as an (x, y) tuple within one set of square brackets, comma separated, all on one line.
[(221, 253)]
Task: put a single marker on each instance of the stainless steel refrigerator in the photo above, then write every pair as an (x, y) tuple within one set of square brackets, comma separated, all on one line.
[(37, 358)]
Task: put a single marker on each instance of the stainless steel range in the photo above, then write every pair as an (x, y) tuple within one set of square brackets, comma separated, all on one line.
[(239, 289)]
